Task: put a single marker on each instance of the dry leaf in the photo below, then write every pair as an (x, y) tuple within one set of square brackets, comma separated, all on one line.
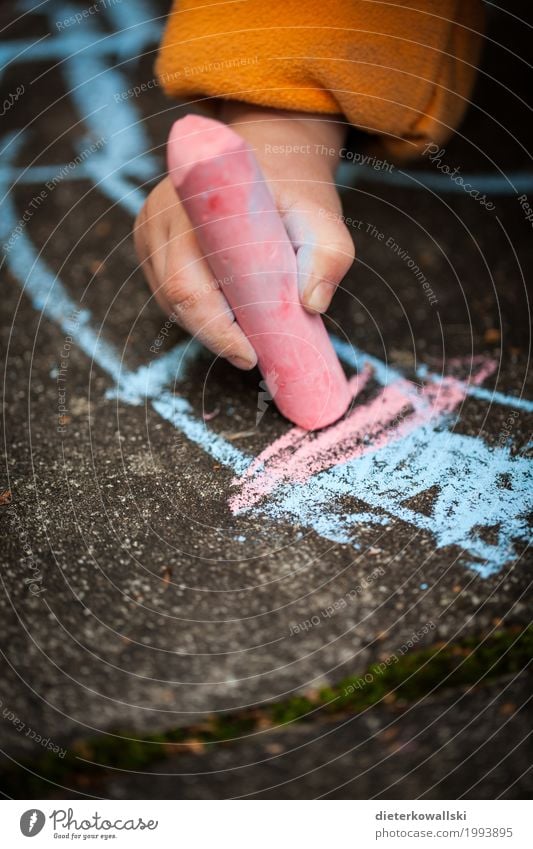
[(103, 228), (492, 336), (387, 735), (196, 747), (274, 748), (96, 266)]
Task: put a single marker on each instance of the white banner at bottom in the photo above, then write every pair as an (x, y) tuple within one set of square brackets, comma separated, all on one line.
[(268, 824)]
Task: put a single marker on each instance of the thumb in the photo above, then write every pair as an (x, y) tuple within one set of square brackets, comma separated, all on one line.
[(324, 253)]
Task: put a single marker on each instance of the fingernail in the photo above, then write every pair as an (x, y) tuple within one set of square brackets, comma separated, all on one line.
[(242, 362), (319, 297)]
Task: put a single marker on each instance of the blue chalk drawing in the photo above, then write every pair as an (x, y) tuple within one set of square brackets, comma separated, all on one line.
[(470, 497), (466, 473), (493, 184)]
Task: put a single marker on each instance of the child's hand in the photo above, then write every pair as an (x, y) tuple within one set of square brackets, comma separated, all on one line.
[(298, 154)]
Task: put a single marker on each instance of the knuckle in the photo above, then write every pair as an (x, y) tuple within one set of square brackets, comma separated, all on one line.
[(225, 336), (228, 337), (340, 252), (342, 244), (178, 290)]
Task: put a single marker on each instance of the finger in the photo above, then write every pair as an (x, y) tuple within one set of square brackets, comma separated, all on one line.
[(141, 241), (181, 280), (150, 237), (324, 253), (197, 300)]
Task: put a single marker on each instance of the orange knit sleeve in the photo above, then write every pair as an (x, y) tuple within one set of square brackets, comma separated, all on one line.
[(403, 70)]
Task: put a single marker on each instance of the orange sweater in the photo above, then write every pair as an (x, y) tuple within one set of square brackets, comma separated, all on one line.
[(403, 70)]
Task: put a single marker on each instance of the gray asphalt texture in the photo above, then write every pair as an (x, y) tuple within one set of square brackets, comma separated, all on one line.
[(152, 611), (440, 749)]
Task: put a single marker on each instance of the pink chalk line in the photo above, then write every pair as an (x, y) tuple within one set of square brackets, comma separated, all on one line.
[(394, 412)]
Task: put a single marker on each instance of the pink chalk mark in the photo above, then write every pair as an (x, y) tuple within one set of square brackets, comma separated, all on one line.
[(394, 412)]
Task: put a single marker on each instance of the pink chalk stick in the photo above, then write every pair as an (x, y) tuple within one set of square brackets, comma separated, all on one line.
[(242, 236)]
